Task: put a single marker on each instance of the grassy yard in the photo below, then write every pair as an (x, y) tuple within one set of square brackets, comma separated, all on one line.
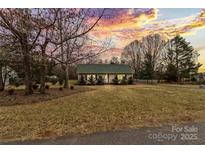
[(104, 108), (19, 97)]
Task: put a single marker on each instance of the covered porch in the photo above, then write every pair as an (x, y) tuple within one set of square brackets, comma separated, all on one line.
[(108, 77), (105, 72)]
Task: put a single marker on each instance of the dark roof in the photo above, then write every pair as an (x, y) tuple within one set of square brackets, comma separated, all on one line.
[(104, 68)]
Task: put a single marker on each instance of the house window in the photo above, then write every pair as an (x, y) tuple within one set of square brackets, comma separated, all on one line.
[(120, 76)]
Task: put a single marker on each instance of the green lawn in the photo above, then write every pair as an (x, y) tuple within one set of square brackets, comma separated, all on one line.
[(105, 108)]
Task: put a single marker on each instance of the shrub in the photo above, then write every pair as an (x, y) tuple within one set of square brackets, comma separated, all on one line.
[(100, 80), (2, 89), (53, 81), (71, 87), (130, 80), (11, 91), (61, 82), (35, 86), (61, 88), (115, 80), (14, 81), (17, 84), (193, 79), (124, 80), (82, 81), (91, 80), (47, 86)]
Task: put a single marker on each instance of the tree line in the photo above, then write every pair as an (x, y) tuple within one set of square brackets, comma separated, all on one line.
[(33, 41), (173, 60)]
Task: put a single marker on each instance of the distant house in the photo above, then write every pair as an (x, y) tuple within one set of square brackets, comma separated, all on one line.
[(8, 74), (107, 71)]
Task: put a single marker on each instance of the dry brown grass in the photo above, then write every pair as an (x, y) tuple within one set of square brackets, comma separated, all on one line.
[(105, 108), (19, 97)]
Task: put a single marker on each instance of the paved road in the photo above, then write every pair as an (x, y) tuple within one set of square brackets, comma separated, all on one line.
[(192, 133)]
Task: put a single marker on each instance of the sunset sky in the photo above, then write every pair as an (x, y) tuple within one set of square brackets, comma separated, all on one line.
[(125, 25)]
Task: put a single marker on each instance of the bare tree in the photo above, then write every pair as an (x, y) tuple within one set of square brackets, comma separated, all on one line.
[(114, 60), (79, 50), (71, 31), (132, 55), (24, 26), (44, 41), (57, 34), (4, 70), (152, 46)]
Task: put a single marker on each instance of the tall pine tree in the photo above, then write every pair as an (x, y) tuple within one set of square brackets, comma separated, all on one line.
[(183, 56)]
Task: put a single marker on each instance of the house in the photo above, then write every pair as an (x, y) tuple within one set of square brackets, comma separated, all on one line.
[(107, 71), (8, 74)]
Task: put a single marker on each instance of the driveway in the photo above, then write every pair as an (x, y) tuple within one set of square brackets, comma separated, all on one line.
[(192, 133)]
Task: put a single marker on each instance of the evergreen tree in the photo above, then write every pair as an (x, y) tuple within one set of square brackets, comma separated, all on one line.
[(148, 68), (171, 73), (181, 58)]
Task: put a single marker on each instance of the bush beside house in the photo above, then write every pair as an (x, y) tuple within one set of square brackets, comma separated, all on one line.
[(82, 81), (115, 80), (100, 81)]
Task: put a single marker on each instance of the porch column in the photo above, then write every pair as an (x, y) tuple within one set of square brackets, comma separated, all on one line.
[(79, 77)]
